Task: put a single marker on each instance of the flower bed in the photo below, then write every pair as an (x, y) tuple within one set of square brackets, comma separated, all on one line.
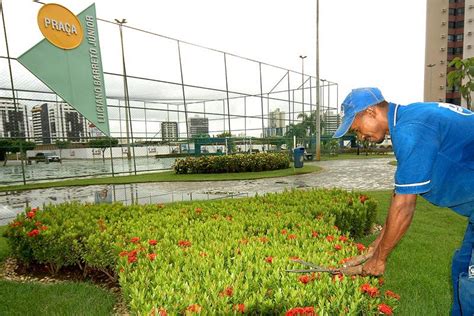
[(232, 163), (222, 257)]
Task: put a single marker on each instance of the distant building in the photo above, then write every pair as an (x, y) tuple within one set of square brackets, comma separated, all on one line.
[(198, 126), (449, 30), (13, 120), (58, 121), (276, 124), (331, 122), (169, 131)]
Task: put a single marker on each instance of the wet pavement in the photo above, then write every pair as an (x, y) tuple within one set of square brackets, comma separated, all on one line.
[(355, 174)]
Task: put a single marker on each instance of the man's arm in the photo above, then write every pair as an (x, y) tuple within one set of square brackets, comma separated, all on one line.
[(398, 220)]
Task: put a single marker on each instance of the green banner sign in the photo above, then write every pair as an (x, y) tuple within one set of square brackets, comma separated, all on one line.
[(72, 70)]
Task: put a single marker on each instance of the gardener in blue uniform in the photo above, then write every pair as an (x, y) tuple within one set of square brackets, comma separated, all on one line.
[(434, 146)]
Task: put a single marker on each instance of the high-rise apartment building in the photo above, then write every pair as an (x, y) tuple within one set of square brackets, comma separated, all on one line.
[(58, 121), (13, 120), (449, 34), (198, 126), (332, 120), (276, 123), (169, 131)]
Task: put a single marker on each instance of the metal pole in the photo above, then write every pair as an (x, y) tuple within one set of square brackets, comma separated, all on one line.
[(261, 98), (289, 99), (227, 93), (13, 91), (302, 80), (245, 116), (127, 118), (318, 120), (184, 94)]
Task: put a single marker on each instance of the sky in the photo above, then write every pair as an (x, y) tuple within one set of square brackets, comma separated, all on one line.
[(362, 43)]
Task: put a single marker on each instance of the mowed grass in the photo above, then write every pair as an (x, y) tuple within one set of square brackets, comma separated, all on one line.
[(419, 268)]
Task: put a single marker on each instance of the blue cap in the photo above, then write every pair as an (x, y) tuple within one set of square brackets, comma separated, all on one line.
[(357, 101)]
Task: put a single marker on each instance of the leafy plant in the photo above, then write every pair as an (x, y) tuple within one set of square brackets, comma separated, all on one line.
[(462, 77)]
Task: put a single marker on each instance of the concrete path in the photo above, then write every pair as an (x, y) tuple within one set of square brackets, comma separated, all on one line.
[(355, 174)]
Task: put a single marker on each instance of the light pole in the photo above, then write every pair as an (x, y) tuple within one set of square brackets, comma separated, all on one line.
[(431, 79), (302, 80), (125, 87), (318, 120), (327, 109)]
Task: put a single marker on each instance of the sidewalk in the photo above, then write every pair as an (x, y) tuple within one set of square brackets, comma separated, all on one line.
[(356, 174)]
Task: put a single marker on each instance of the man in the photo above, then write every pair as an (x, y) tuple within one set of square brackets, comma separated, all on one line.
[(434, 146)]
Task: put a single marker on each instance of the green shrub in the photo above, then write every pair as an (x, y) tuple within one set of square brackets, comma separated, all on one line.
[(221, 255), (232, 163)]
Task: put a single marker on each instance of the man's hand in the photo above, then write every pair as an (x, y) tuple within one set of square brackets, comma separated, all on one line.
[(360, 259), (372, 267)]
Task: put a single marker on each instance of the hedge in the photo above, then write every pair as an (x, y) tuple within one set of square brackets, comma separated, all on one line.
[(232, 163)]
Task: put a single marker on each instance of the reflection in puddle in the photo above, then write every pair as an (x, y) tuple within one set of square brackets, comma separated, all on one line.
[(12, 203)]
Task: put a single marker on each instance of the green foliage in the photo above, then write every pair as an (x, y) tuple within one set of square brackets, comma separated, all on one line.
[(232, 163), (103, 142), (462, 77), (12, 145), (174, 256), (63, 144)]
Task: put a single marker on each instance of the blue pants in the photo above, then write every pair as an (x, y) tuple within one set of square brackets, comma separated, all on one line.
[(461, 262)]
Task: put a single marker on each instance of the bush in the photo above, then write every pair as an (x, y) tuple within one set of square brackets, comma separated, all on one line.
[(220, 257), (232, 163)]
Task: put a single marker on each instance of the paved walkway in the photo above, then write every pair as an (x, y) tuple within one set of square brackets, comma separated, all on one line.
[(357, 174)]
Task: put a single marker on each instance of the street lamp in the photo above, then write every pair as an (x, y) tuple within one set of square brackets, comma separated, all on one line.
[(125, 87), (302, 80), (431, 79)]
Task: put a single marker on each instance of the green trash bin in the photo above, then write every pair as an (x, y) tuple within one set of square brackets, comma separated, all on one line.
[(298, 156)]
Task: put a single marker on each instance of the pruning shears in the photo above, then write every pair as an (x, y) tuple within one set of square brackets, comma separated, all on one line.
[(313, 268)]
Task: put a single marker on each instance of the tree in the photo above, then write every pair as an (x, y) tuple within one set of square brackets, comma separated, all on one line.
[(103, 143), (462, 77), (11, 145), (62, 144)]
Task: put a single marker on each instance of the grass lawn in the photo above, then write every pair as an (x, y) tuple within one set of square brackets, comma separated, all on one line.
[(418, 270), (167, 176)]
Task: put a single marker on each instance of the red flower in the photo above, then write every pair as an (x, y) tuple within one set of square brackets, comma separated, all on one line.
[(306, 311), (360, 247), (263, 240), (284, 231), (184, 243), (227, 292), (385, 309), (44, 227), (381, 281), (152, 242), (363, 198), (392, 294), (338, 276), (198, 210), (135, 240), (343, 238), (34, 209), (269, 259), (30, 215), (203, 254), (344, 260), (162, 312), (305, 279), (292, 236), (337, 247), (195, 308), (33, 233), (38, 224), (315, 234), (123, 253), (132, 259), (152, 256), (371, 291), (335, 227), (240, 308), (244, 241), (329, 238)]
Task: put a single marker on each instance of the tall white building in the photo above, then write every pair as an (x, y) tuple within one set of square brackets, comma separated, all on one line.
[(276, 123), (169, 131), (449, 34), (13, 120), (58, 121)]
